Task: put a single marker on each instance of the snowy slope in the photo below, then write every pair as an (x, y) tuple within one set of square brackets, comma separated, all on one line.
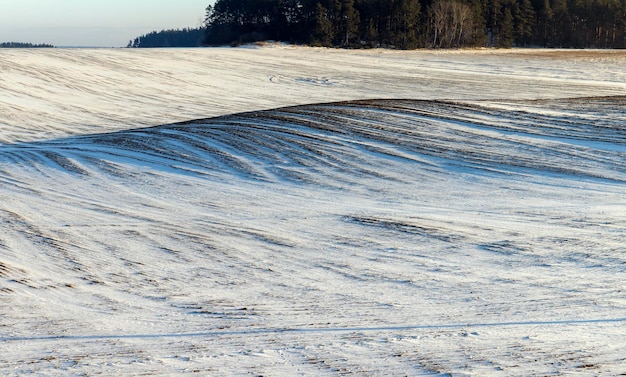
[(475, 236), (56, 92)]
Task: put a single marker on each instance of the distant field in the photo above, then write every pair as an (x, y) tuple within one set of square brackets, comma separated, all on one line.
[(74, 91)]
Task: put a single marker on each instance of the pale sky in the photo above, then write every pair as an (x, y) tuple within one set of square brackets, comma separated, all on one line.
[(94, 23)]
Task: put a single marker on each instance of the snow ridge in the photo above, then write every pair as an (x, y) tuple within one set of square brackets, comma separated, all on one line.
[(361, 137)]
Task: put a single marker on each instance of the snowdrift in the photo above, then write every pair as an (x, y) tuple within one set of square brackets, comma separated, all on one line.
[(329, 143), (372, 237)]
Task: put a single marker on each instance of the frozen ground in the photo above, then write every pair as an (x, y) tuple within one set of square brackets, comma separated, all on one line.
[(417, 213)]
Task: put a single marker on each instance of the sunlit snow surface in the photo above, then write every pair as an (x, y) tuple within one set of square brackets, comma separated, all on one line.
[(331, 213)]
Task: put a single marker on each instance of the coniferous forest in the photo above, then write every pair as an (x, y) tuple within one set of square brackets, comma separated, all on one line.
[(408, 24), (170, 38), (24, 45)]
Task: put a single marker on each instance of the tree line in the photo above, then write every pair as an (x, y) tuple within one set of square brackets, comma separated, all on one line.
[(24, 45), (408, 24), (187, 37)]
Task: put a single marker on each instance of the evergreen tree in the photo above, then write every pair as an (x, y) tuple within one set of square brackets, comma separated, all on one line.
[(524, 19), (478, 36), (505, 38), (493, 18), (170, 38), (349, 23), (621, 27), (369, 21), (407, 15), (560, 26), (24, 45), (544, 22), (323, 32), (414, 23)]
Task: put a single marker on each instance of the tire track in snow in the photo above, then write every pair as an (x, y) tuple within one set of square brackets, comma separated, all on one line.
[(313, 330)]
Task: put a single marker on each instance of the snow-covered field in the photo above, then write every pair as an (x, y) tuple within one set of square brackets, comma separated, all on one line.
[(286, 211)]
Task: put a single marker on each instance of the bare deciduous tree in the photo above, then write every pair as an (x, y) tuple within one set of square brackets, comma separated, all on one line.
[(451, 23)]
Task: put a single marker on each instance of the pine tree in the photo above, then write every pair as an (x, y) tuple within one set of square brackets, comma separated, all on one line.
[(408, 18), (506, 29), (494, 17), (544, 20), (349, 21), (478, 36), (561, 31), (414, 23), (621, 27), (323, 32), (524, 19)]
